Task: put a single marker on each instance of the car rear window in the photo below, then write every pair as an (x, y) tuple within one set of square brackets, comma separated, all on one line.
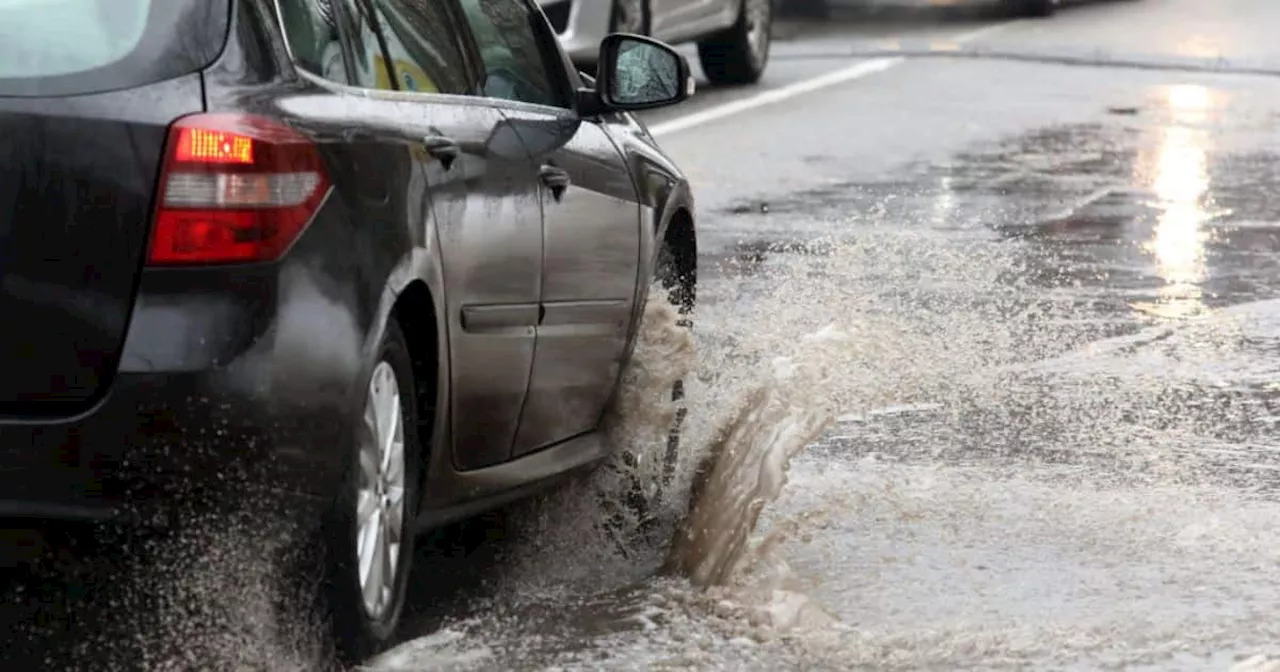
[(58, 47)]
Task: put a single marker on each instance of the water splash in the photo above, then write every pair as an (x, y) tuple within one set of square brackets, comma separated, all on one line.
[(215, 594), (746, 467), (645, 414), (596, 508)]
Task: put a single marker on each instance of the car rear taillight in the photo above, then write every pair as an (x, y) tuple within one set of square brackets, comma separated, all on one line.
[(235, 188)]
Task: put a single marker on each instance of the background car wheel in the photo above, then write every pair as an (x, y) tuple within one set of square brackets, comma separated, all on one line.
[(630, 16), (370, 534), (739, 55)]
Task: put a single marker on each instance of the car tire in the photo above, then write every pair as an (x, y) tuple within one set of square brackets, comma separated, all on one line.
[(739, 54), (630, 16), (682, 292), (642, 499), (363, 519)]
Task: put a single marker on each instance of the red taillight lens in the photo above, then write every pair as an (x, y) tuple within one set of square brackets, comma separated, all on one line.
[(235, 188), (204, 146)]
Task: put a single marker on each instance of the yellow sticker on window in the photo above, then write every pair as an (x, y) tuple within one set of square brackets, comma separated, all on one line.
[(412, 78)]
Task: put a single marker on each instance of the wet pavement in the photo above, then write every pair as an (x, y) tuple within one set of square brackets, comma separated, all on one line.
[(1009, 309)]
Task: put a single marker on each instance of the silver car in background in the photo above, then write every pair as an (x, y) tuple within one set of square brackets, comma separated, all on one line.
[(732, 35)]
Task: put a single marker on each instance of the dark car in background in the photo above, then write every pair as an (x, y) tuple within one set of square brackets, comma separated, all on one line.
[(386, 257)]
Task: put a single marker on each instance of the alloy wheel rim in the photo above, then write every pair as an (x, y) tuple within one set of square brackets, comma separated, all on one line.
[(380, 499), (629, 16), (758, 12)]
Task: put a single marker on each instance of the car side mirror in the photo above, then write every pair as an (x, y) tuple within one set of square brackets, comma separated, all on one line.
[(640, 73)]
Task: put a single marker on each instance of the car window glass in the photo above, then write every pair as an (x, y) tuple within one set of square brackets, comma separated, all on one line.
[(423, 46), (313, 38), (516, 65), (370, 66), (48, 38)]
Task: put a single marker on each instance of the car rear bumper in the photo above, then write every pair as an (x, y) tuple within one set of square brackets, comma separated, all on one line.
[(234, 386), (162, 441)]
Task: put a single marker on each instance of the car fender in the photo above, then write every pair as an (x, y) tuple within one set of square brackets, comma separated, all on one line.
[(662, 190), (422, 263)]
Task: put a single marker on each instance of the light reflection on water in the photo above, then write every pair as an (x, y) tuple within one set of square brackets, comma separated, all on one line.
[(1181, 183), (944, 205)]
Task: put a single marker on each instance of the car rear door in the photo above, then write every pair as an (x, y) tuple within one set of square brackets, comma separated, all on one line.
[(591, 225), (88, 89), (591, 232)]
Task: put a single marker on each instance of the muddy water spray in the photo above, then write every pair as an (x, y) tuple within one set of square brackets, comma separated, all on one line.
[(645, 411), (746, 466), (555, 525)]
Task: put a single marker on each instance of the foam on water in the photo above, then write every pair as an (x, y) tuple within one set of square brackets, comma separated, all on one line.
[(984, 567)]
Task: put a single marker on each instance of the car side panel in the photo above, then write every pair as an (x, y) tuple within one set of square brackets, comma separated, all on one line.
[(662, 190), (489, 237), (591, 259), (491, 245)]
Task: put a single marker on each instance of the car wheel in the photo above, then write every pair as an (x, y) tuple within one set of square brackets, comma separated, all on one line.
[(739, 54), (682, 292), (643, 497), (630, 16), (370, 534)]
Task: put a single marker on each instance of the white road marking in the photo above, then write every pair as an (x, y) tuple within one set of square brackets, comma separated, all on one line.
[(855, 71)]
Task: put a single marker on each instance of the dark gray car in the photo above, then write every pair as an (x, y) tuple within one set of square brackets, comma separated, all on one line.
[(387, 257)]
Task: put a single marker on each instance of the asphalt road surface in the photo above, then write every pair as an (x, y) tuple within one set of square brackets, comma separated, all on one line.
[(1004, 295)]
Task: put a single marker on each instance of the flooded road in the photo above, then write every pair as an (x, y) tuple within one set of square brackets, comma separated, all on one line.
[(985, 375)]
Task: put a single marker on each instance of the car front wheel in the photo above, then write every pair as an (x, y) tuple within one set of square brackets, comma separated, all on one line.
[(645, 488), (370, 535), (739, 54)]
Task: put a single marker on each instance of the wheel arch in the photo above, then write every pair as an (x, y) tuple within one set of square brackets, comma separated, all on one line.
[(673, 224), (680, 240), (413, 297), (415, 310)]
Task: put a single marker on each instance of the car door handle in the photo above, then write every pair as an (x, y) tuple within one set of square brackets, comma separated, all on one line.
[(556, 179), (445, 150)]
